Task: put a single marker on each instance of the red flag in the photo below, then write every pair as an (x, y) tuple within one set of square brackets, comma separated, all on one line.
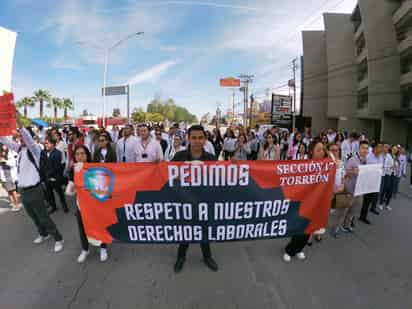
[(7, 115)]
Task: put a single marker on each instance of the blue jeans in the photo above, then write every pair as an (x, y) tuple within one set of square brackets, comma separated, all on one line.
[(388, 187)]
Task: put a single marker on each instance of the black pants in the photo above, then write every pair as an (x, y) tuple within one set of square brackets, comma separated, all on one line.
[(56, 186), (370, 199), (387, 192), (182, 250), (83, 238), (296, 244), (34, 204), (228, 155)]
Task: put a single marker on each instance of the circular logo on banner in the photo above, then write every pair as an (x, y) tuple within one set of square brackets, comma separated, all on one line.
[(99, 182)]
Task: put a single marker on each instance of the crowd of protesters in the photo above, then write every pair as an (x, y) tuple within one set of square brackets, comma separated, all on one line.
[(34, 157)]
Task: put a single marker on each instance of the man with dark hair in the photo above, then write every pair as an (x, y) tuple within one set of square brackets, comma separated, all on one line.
[(148, 149), (195, 152), (55, 179), (29, 183), (126, 147)]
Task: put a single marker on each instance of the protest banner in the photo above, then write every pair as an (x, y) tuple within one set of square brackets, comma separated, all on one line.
[(369, 179), (7, 115), (7, 46), (186, 202)]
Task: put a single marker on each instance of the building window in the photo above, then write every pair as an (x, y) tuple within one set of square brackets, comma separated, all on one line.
[(360, 44), (406, 93), (406, 63), (363, 97), (362, 70)]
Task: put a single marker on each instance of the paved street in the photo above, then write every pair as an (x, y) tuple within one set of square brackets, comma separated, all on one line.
[(371, 269)]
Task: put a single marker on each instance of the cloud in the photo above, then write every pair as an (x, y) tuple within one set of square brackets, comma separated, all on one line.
[(90, 27), (151, 74), (60, 63)]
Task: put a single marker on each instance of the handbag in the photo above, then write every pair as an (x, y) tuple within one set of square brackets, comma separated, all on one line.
[(343, 200)]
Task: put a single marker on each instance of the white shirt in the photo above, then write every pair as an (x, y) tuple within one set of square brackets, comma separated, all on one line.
[(127, 149), (62, 147), (27, 174), (388, 165), (153, 151), (229, 144), (103, 153), (331, 137), (171, 151), (373, 159), (208, 147), (346, 148), (114, 134)]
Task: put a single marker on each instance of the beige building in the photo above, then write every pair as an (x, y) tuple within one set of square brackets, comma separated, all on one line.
[(357, 74)]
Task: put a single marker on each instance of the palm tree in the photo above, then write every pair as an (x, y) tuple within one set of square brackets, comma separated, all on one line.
[(42, 96), (67, 105), (25, 102), (55, 103)]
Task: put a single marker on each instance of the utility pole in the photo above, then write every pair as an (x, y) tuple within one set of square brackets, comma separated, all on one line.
[(233, 107), (246, 80), (295, 67), (252, 101)]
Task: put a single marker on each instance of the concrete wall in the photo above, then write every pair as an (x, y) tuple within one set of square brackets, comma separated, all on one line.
[(341, 61), (394, 130), (315, 75), (383, 57)]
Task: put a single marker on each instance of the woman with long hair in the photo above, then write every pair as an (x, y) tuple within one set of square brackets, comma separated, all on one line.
[(83, 155), (254, 146), (298, 242), (270, 149), (174, 148), (284, 145), (293, 147), (217, 142), (229, 144), (242, 148), (302, 153), (104, 151)]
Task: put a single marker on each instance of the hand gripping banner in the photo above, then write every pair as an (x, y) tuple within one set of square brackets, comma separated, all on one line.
[(192, 202)]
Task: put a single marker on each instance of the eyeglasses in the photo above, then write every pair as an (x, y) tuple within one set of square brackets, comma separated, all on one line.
[(102, 140)]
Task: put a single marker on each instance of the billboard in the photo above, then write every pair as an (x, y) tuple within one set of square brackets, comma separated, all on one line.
[(7, 45), (281, 110), (230, 82)]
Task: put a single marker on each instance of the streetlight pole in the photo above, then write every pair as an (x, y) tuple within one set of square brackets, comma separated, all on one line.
[(106, 60)]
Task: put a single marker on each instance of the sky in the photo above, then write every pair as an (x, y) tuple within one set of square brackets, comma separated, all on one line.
[(187, 46)]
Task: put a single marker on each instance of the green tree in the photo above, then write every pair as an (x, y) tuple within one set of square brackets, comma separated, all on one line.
[(56, 104), (42, 96), (154, 117), (24, 103), (138, 115), (67, 104)]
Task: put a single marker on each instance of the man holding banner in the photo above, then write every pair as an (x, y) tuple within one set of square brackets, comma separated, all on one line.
[(195, 153)]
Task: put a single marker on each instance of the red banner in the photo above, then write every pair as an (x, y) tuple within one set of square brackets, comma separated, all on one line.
[(175, 202), (7, 115)]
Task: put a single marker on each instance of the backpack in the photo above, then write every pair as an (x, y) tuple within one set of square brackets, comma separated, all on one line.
[(42, 170)]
